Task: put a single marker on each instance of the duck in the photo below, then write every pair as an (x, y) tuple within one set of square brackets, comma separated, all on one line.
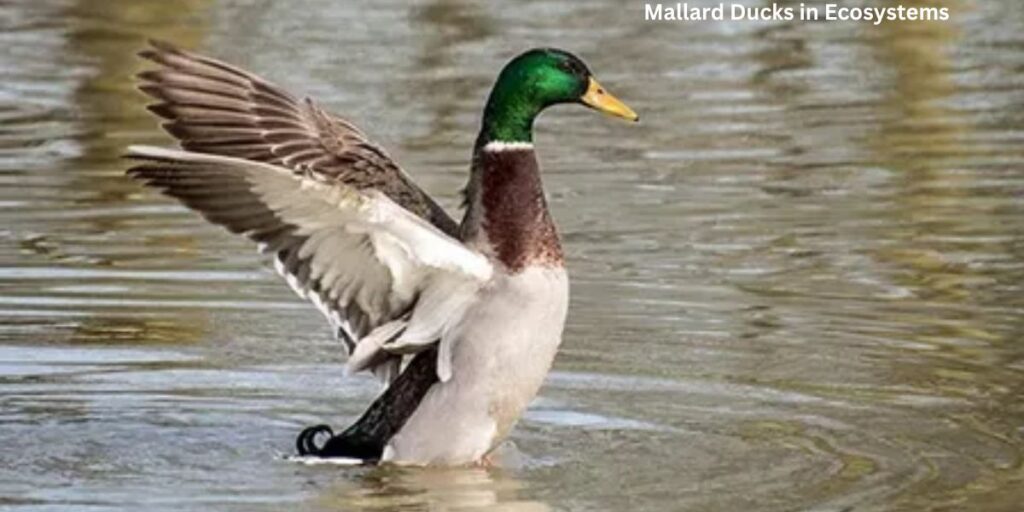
[(460, 321)]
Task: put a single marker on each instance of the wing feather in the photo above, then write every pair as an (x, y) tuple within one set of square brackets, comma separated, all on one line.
[(213, 107), (362, 259), (360, 277)]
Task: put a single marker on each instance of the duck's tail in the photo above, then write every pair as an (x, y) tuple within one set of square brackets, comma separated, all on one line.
[(365, 439)]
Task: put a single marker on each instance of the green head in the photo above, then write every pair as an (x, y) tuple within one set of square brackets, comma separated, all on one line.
[(535, 80)]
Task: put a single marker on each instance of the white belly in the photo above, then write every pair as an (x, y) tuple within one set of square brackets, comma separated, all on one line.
[(503, 348)]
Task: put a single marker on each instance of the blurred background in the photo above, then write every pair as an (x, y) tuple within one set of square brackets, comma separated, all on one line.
[(798, 284)]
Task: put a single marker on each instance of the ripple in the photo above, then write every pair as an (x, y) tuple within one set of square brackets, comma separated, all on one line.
[(800, 276)]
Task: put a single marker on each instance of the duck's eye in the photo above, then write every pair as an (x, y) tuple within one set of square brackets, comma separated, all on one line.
[(571, 67)]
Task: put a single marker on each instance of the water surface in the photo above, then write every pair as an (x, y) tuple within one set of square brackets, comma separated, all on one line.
[(797, 285)]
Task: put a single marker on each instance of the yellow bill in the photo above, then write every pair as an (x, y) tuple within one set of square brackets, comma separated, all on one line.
[(599, 99)]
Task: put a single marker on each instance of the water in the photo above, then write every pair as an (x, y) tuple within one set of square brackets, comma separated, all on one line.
[(797, 285)]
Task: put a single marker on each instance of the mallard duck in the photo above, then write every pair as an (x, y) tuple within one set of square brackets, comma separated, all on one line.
[(460, 321)]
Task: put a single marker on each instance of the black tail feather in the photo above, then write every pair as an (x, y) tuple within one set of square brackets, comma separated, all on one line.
[(366, 438)]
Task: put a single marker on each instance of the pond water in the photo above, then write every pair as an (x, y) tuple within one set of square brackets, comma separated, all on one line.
[(798, 284)]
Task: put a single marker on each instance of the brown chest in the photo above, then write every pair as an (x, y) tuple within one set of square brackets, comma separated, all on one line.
[(514, 214)]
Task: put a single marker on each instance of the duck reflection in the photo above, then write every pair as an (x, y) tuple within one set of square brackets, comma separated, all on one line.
[(399, 488)]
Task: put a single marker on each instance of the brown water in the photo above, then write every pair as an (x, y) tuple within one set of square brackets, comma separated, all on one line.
[(797, 285)]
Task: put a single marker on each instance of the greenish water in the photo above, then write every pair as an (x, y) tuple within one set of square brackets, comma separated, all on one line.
[(797, 285)]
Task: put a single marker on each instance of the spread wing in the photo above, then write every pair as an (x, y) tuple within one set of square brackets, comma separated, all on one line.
[(371, 266), (360, 280), (213, 107)]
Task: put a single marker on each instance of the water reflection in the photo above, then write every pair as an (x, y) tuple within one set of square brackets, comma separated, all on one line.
[(106, 35), (942, 209), (928, 140), (394, 488)]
